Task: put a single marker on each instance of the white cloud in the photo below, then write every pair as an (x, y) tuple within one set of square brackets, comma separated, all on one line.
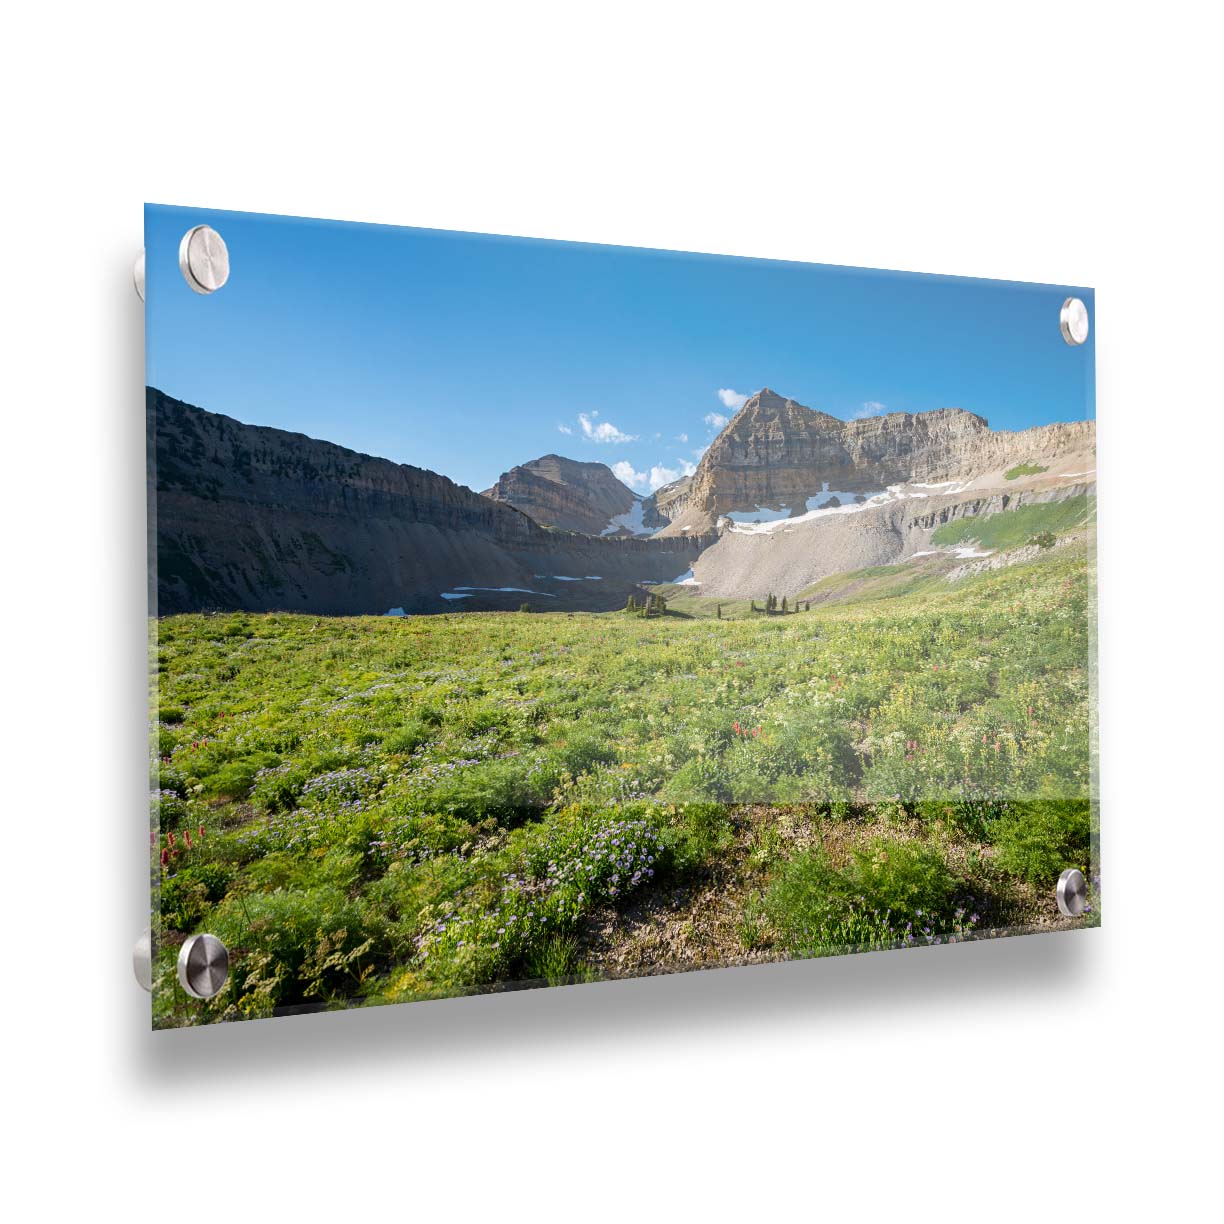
[(715, 420), (565, 429), (660, 475), (605, 431), (870, 408), (623, 471), (656, 477), (731, 399), (682, 437)]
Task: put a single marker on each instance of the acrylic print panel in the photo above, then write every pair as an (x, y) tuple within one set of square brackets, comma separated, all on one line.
[(534, 612)]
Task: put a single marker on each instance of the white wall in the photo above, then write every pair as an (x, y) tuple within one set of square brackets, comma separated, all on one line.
[(1071, 1076)]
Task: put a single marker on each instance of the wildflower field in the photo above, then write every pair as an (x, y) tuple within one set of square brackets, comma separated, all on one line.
[(378, 809)]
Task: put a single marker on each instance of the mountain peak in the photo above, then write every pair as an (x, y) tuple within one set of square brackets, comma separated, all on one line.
[(574, 495), (766, 397), (767, 407)]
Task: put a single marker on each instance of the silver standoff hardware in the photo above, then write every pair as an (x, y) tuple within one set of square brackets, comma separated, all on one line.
[(204, 259), (1072, 892), (1073, 321), (142, 960), (203, 966), (138, 276)]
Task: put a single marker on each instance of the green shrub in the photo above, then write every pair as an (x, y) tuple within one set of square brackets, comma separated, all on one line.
[(554, 960), (408, 738), (167, 808), (187, 895), (234, 779), (890, 892), (705, 832), (1038, 840), (276, 788), (314, 944), (704, 778), (507, 792)]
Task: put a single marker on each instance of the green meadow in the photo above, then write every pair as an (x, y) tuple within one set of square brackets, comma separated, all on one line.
[(1013, 528), (375, 809)]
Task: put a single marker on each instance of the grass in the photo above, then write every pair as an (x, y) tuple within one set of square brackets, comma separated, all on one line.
[(1012, 528), (1024, 469), (376, 809), (887, 893)]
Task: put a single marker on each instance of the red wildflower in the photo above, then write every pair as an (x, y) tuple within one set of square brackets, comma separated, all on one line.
[(170, 837), (737, 728), (201, 832), (187, 838), (165, 857)]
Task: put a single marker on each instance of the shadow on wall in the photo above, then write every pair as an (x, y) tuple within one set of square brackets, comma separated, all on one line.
[(829, 994)]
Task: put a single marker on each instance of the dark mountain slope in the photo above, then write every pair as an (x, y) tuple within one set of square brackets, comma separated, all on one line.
[(262, 519)]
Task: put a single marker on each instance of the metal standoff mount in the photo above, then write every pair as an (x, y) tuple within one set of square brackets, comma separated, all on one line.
[(138, 275), (203, 966), (204, 259), (1072, 892), (1073, 321), (142, 959)]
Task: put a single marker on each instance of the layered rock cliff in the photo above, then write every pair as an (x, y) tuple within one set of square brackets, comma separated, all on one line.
[(575, 496), (777, 453), (262, 519)]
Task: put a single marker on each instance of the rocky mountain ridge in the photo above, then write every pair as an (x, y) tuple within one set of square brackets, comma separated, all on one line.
[(262, 519), (776, 453), (575, 496)]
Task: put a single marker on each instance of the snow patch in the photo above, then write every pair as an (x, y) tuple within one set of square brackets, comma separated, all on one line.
[(567, 578), (452, 595), (821, 500), (515, 590), (631, 520), (818, 505), (762, 514), (686, 579), (395, 612), (965, 550)]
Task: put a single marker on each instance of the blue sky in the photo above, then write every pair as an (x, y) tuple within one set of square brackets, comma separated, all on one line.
[(467, 353)]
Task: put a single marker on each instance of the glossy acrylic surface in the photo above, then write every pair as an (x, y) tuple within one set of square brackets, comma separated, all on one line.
[(531, 612)]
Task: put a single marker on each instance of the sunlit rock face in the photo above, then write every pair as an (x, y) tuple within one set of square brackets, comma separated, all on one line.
[(776, 453), (574, 496)]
